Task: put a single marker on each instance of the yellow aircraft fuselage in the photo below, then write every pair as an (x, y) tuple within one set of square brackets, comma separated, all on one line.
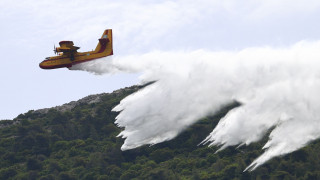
[(69, 55)]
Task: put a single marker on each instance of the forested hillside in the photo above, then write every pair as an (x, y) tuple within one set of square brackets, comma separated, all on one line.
[(78, 141)]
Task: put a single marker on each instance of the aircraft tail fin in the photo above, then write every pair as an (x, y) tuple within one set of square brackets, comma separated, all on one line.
[(105, 43)]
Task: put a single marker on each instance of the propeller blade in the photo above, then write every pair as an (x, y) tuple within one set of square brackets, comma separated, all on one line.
[(54, 49)]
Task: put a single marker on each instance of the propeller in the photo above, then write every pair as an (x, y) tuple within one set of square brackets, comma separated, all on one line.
[(55, 49)]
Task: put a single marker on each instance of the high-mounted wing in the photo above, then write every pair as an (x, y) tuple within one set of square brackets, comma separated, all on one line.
[(67, 46)]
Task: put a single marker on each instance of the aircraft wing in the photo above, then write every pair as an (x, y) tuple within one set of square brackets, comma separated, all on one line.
[(67, 46)]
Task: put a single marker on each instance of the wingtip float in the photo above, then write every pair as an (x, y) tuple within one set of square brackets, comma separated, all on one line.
[(68, 55)]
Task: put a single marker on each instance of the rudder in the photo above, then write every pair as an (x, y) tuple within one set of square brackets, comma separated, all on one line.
[(105, 43)]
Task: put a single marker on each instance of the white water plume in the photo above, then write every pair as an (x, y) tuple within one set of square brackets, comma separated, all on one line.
[(278, 88)]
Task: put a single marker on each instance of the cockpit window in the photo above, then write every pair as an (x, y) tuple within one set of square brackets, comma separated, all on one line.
[(47, 58)]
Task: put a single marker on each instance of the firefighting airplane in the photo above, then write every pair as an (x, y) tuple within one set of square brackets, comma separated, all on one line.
[(68, 55)]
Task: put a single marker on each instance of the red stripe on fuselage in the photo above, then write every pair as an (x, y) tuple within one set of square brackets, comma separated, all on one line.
[(55, 66), (65, 65)]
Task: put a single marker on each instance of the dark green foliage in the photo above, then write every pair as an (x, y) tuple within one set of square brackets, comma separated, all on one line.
[(6, 173), (82, 144), (161, 155), (33, 164)]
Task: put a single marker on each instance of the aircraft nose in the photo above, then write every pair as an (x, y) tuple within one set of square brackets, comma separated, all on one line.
[(41, 65)]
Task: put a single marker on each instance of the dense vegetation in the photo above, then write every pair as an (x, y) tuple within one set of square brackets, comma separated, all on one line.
[(82, 144)]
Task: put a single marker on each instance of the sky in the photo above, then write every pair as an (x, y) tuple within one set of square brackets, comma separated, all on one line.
[(30, 28)]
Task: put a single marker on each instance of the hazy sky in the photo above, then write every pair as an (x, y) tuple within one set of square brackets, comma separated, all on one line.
[(30, 28)]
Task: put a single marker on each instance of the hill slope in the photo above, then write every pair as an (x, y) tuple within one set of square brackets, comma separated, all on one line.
[(78, 141)]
